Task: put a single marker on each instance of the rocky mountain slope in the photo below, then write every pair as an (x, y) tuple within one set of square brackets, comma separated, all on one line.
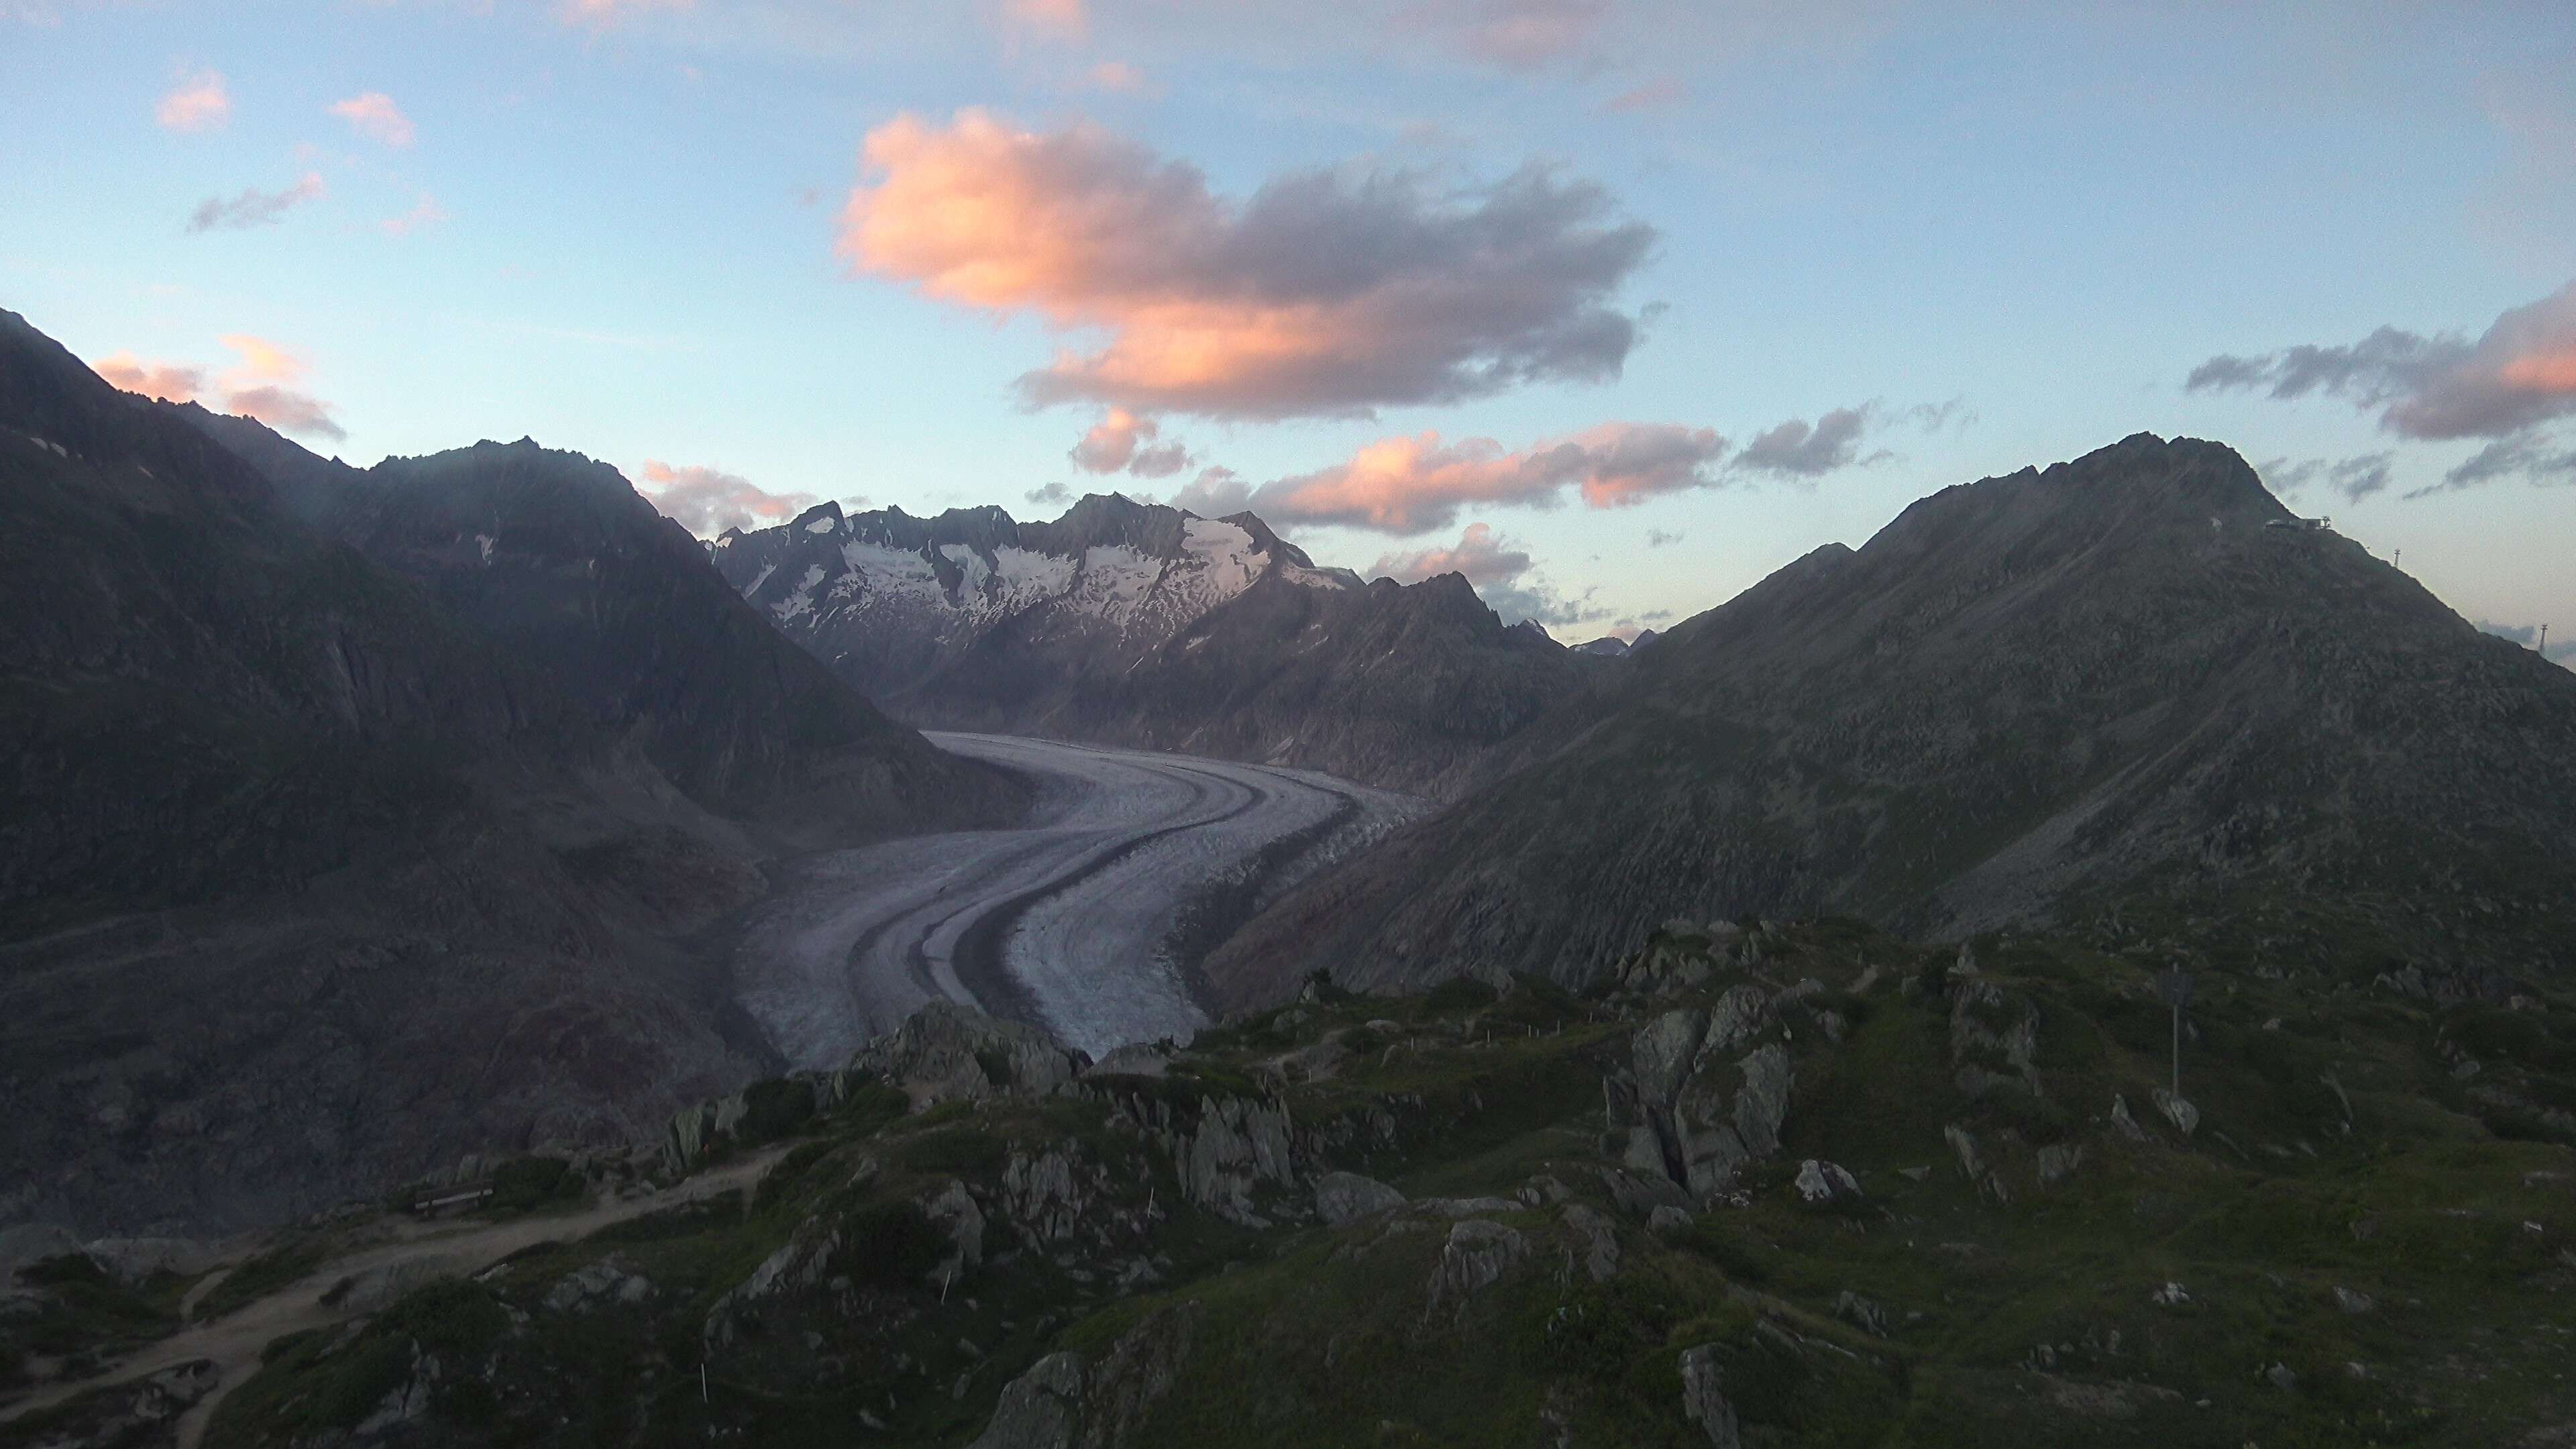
[(2129, 691), (1773, 1185), (321, 859), (1144, 625)]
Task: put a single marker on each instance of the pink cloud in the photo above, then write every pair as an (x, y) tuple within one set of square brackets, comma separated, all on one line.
[(1118, 443), (254, 387), (1061, 17), (1325, 293), (1482, 555), (604, 14), (375, 114), (426, 212), (168, 381), (1406, 484), (286, 410), (1516, 34), (1119, 77), (2518, 375), (198, 103), (1662, 94), (707, 501)]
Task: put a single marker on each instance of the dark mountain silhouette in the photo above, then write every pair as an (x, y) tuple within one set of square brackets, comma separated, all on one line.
[(328, 851), (2129, 691)]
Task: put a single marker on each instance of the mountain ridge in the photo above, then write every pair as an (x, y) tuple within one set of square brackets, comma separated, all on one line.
[(1144, 625), (2030, 696)]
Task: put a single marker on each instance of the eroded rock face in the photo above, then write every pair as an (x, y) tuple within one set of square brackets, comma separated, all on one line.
[(947, 1052), (1692, 1109), (1065, 1402), (1599, 1238)]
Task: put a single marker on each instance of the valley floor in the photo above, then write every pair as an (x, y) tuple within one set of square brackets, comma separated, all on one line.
[(1088, 919)]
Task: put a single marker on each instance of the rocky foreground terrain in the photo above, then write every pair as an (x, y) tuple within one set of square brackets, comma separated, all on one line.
[(1143, 625), (1797, 1184), (2130, 693), (349, 820)]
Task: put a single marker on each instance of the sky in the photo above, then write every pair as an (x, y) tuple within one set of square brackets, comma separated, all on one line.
[(1613, 305)]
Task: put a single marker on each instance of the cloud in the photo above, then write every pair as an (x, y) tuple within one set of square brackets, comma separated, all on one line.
[(1799, 449), (604, 14), (1499, 568), (2356, 478), (1113, 443), (1661, 537), (1484, 556), (2562, 649), (1408, 484), (1059, 17), (1118, 77), (1664, 93), (1515, 34), (1053, 495), (2519, 374), (254, 207), (286, 410), (1215, 493), (375, 114), (2529, 456), (197, 103), (1329, 292), (257, 386), (427, 212), (707, 501), (168, 381)]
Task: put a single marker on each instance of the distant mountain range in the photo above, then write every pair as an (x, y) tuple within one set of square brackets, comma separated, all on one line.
[(1611, 646), (352, 820), (2125, 693), (1140, 624)]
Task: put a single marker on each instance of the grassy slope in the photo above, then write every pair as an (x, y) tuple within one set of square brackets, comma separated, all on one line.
[(2442, 1196)]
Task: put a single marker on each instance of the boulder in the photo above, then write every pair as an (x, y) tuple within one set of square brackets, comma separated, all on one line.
[(1041, 1409), (1342, 1198), (2178, 1111), (1663, 1051), (948, 1052), (1704, 1400), (1822, 1182), (1478, 1253), (1599, 1238)]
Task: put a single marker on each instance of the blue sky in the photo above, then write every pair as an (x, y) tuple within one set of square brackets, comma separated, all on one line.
[(1983, 236)]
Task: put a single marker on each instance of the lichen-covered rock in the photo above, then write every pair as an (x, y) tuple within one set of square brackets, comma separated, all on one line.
[(1663, 1051), (1236, 1145), (1064, 1402), (2058, 1161), (947, 1052), (1342, 1198), (1478, 1253), (1861, 1313), (2182, 1114), (1041, 1409), (1821, 1182), (1994, 1039), (1704, 1400), (1599, 1240), (1739, 1014), (954, 1212)]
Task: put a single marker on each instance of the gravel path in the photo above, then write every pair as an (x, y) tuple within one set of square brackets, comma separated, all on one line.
[(233, 1342)]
